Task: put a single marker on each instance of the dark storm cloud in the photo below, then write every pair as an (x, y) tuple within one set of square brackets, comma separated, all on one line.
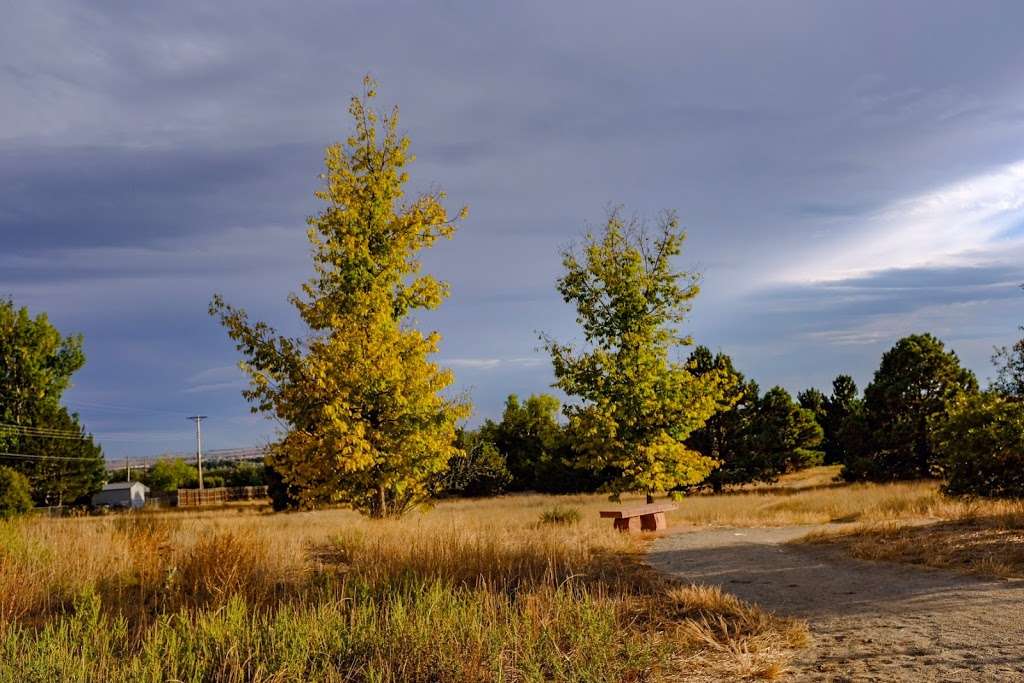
[(108, 196), (152, 154)]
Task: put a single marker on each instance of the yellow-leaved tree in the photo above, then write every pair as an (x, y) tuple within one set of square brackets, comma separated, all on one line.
[(367, 423), (634, 406)]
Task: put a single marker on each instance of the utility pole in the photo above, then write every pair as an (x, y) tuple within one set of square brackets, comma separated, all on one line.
[(127, 470), (199, 447)]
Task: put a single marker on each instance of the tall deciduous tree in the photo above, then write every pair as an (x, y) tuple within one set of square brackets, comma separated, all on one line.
[(367, 423), (36, 364), (636, 406), (71, 465), (912, 390)]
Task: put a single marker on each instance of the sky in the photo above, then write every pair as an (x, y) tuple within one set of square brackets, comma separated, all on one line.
[(848, 173)]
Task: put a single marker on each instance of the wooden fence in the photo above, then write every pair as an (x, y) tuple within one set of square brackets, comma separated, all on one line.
[(219, 496)]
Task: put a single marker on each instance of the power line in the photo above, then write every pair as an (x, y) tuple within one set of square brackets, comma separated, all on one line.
[(34, 456), (129, 409), (33, 428)]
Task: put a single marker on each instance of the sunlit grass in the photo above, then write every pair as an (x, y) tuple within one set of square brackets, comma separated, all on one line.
[(468, 591)]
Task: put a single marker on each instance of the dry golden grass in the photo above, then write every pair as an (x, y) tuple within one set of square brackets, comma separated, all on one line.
[(470, 590), (812, 497), (985, 538)]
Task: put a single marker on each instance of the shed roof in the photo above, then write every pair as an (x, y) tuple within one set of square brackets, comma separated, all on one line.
[(119, 485)]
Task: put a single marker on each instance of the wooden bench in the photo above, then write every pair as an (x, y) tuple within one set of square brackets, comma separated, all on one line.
[(650, 517)]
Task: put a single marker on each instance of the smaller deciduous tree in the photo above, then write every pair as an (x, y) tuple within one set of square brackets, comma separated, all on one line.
[(1009, 362), (635, 405), (170, 474), (15, 493)]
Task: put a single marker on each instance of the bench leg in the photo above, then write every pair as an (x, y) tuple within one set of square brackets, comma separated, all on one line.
[(655, 522), (627, 524)]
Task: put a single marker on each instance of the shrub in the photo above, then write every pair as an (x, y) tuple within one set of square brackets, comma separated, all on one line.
[(167, 475), (560, 515), (15, 494), (982, 447)]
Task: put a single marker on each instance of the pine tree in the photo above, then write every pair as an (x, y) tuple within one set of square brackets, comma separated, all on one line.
[(726, 436), (913, 389), (367, 424)]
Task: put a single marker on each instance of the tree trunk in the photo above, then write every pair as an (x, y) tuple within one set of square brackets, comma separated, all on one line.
[(650, 497)]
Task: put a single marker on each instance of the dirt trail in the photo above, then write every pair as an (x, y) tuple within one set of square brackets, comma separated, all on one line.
[(871, 621)]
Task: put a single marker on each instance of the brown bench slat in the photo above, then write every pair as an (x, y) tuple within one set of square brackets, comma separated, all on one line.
[(638, 511)]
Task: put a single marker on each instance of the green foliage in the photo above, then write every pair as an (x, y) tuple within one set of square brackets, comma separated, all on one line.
[(560, 516), (426, 632), (842, 422), (244, 474), (815, 401), (535, 447), (36, 364), (786, 436), (73, 468), (283, 496), (167, 475), (636, 407), (726, 436), (477, 469), (15, 497), (913, 388), (1009, 362), (981, 446), (368, 424)]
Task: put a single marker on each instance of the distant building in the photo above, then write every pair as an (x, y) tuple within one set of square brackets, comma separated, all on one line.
[(126, 494)]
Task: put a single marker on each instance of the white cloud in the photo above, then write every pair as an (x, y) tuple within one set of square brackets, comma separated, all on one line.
[(963, 224), (492, 363), (216, 379)]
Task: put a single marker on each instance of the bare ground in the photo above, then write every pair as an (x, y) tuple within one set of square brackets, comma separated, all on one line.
[(871, 621)]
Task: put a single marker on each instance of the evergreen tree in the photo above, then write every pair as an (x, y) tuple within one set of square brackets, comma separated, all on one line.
[(726, 436), (980, 446), (636, 406), (785, 436), (477, 469), (367, 423), (530, 439), (842, 422), (912, 390), (813, 400)]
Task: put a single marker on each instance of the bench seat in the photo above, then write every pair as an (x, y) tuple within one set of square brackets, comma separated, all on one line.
[(649, 517)]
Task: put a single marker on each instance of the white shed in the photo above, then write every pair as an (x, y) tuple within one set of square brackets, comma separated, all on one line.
[(122, 494)]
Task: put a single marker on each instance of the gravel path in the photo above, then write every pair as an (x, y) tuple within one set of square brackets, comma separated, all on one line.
[(871, 621)]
